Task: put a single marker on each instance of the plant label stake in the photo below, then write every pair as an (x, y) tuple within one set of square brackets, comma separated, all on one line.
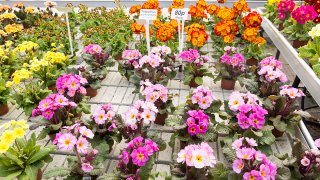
[(148, 14), (66, 10), (180, 15)]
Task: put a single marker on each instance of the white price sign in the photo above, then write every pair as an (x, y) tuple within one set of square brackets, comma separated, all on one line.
[(148, 14), (179, 14)]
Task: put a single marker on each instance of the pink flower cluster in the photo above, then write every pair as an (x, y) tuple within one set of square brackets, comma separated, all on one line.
[(193, 56), (161, 50), (141, 112), (203, 97), (291, 92), (303, 14), (154, 92), (92, 49), (131, 54), (76, 139), (71, 84), (310, 162), (198, 156), (104, 115), (197, 122), (230, 57), (271, 70), (237, 99), (254, 164), (152, 60), (136, 153), (52, 104), (284, 7), (249, 111)]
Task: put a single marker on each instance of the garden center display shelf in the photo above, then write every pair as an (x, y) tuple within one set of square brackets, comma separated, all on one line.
[(298, 65)]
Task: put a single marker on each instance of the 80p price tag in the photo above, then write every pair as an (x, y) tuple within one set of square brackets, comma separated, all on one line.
[(179, 14)]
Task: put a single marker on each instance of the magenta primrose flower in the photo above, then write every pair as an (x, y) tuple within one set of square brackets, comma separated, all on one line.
[(131, 54), (71, 85), (203, 97), (251, 163), (136, 153), (198, 156), (285, 6), (303, 14), (198, 122), (52, 106), (155, 93), (271, 70), (310, 162), (139, 156), (161, 50), (193, 56), (74, 138), (92, 49), (291, 92)]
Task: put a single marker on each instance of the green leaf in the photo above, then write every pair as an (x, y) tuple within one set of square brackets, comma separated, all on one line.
[(219, 172), (31, 172), (57, 172), (41, 154), (198, 80), (229, 154), (283, 173), (145, 170)]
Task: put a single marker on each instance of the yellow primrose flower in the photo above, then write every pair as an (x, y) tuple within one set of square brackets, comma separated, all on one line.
[(19, 132), (3, 147), (273, 2), (8, 137), (61, 46), (13, 28), (2, 33), (26, 46), (53, 44), (55, 57), (30, 10), (7, 16), (25, 65), (8, 44), (9, 84), (23, 123)]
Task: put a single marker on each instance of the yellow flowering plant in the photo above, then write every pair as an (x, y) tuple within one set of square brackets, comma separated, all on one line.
[(50, 67), (13, 57), (27, 91), (271, 9), (8, 18), (21, 158), (4, 91), (27, 15)]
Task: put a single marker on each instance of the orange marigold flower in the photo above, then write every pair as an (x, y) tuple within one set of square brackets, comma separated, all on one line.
[(201, 3), (4, 8), (259, 40), (241, 6), (253, 19), (194, 26), (157, 23), (224, 28), (197, 12), (250, 34), (18, 5), (13, 28), (174, 24), (212, 9), (197, 37), (135, 9), (229, 38), (222, 1), (151, 4), (137, 28), (226, 13), (165, 32)]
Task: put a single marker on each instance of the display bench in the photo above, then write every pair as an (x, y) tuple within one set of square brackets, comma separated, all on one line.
[(298, 65)]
